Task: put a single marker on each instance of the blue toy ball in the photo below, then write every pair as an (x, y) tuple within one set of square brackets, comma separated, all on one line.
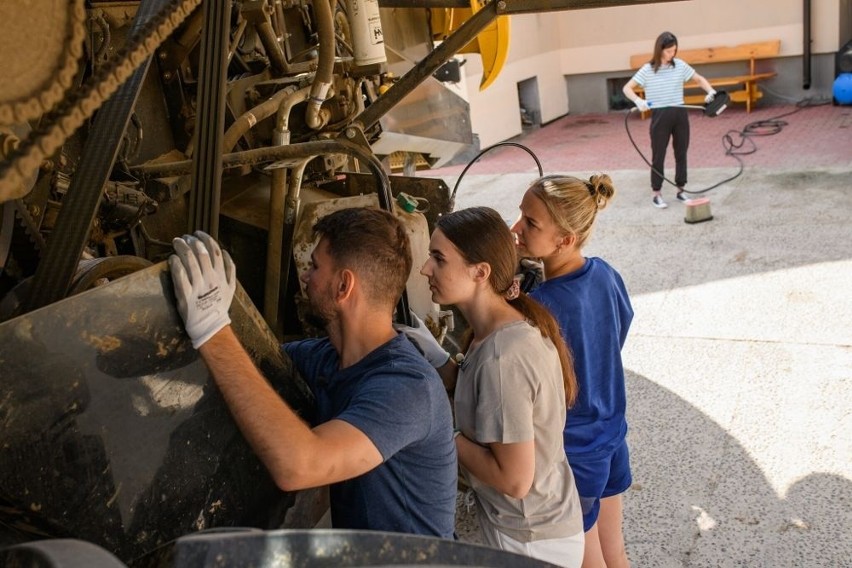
[(843, 89)]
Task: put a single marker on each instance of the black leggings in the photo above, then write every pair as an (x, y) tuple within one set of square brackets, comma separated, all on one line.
[(669, 122)]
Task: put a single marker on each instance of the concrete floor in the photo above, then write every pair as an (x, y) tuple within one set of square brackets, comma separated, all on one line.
[(740, 355)]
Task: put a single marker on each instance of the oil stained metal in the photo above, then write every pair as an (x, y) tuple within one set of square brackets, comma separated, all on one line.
[(112, 431)]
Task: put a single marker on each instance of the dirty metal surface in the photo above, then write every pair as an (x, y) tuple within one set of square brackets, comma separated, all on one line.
[(112, 431), (322, 548)]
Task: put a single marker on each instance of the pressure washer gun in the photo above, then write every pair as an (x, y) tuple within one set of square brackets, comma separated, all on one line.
[(716, 105)]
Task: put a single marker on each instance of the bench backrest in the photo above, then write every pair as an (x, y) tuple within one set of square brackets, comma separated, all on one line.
[(742, 52)]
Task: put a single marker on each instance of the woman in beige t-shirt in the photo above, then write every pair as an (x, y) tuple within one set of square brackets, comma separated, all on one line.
[(510, 393)]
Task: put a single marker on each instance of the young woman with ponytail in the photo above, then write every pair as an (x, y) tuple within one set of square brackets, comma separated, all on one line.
[(511, 392), (590, 301)]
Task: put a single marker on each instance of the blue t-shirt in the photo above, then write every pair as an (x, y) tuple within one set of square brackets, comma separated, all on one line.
[(398, 401), (594, 313)]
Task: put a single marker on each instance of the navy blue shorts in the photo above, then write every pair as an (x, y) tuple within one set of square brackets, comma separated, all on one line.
[(599, 475)]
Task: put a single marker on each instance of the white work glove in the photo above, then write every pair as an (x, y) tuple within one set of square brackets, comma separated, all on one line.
[(641, 104), (205, 279), (424, 341), (710, 96)]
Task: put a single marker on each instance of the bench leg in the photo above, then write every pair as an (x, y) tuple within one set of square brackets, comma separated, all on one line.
[(749, 95), (753, 94)]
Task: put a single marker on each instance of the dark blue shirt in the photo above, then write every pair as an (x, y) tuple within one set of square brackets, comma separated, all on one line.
[(594, 313), (398, 401)]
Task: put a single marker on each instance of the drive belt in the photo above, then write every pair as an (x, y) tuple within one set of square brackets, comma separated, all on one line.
[(80, 204)]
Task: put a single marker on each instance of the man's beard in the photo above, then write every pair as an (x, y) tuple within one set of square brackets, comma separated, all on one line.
[(317, 315), (315, 319)]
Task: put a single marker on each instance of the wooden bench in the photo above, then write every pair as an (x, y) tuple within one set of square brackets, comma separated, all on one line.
[(747, 52)]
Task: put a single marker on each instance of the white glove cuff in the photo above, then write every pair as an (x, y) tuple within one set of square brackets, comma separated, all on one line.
[(199, 341)]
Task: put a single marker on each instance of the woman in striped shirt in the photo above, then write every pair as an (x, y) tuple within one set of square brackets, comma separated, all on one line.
[(662, 78)]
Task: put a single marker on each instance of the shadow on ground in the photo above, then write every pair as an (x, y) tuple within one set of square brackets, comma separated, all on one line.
[(699, 499), (685, 510)]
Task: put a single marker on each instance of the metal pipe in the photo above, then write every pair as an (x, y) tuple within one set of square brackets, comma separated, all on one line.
[(278, 255), (272, 47), (283, 207), (282, 117), (238, 36), (806, 48), (428, 65), (303, 152), (278, 153), (272, 281), (251, 117)]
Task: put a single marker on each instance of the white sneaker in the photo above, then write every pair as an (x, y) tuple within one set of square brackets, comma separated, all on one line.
[(659, 203)]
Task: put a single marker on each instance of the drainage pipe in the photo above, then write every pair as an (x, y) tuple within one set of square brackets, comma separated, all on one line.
[(806, 48)]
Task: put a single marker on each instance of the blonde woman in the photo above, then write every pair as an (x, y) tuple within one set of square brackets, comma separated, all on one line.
[(590, 301)]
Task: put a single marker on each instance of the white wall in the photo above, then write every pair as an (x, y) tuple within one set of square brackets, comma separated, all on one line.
[(495, 112), (534, 52), (552, 45)]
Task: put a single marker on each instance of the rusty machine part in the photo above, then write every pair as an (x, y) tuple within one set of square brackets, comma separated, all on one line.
[(81, 104), (112, 433)]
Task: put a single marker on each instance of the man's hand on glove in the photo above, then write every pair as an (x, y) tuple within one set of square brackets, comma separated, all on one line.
[(641, 104), (425, 342), (205, 279), (710, 96)]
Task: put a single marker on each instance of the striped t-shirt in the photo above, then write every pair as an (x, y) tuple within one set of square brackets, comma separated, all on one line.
[(665, 87)]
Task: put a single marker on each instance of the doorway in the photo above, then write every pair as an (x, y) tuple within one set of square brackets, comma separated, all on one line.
[(529, 103)]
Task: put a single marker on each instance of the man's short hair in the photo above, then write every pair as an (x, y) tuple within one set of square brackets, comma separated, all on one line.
[(374, 244)]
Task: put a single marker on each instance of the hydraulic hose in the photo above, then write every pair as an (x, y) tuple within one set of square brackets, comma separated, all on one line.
[(251, 117), (289, 152), (272, 47), (325, 68)]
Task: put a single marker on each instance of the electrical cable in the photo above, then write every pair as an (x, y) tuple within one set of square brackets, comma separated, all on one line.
[(734, 146), (482, 153)]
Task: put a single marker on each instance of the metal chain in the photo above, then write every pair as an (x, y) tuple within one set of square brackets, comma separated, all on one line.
[(21, 111), (80, 106)]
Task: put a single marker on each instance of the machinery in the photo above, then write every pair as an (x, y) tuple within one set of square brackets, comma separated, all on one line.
[(124, 124)]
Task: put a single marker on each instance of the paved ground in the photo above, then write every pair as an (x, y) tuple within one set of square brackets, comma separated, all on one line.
[(740, 356), (814, 136)]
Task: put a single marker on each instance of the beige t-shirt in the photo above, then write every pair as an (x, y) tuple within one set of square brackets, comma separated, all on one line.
[(510, 390)]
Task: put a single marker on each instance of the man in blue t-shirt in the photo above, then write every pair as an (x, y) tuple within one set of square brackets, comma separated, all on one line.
[(384, 437)]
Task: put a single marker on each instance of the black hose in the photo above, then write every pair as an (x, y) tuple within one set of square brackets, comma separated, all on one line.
[(733, 146), (482, 153), (706, 189)]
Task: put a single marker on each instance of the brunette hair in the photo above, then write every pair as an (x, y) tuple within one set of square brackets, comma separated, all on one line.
[(374, 244), (481, 235), (573, 203), (664, 41)]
